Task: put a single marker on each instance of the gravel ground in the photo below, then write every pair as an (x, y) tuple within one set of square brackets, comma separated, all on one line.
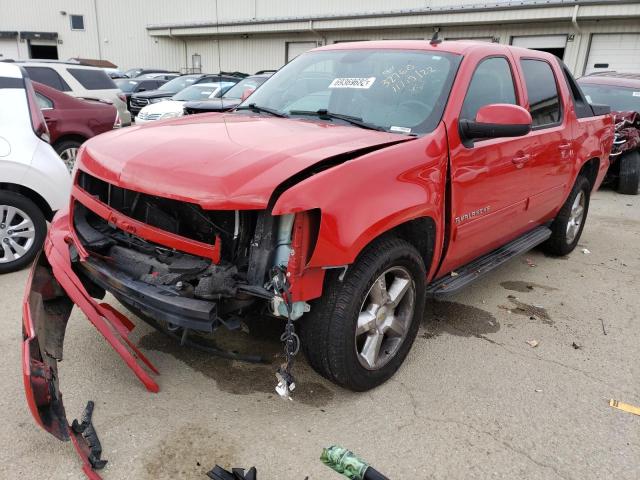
[(473, 399)]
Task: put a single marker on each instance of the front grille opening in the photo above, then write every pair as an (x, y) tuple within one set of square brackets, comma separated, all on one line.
[(181, 218)]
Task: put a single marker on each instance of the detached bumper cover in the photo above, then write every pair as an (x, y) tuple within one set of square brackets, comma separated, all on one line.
[(52, 290)]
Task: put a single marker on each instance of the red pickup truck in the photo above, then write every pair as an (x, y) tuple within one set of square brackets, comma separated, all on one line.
[(341, 194)]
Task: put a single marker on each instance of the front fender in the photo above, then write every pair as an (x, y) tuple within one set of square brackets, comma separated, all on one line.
[(365, 197)]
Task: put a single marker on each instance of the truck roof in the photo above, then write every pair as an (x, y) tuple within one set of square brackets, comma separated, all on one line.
[(457, 47)]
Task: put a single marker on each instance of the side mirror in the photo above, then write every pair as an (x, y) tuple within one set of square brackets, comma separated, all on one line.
[(247, 93), (495, 121)]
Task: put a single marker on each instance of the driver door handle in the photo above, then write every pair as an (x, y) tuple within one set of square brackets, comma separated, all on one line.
[(520, 159)]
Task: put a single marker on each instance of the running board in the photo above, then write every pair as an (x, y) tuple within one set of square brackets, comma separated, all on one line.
[(470, 272)]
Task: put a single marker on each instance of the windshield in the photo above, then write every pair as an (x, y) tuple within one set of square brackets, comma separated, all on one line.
[(247, 84), (132, 72), (402, 91), (198, 92), (126, 85), (179, 83), (620, 99)]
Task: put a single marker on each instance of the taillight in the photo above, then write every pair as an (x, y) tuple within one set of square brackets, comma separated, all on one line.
[(118, 122), (37, 119), (122, 97)]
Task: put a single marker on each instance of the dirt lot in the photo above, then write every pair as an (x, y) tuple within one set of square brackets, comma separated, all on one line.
[(473, 400)]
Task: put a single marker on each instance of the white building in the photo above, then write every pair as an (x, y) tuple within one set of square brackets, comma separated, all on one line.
[(250, 35)]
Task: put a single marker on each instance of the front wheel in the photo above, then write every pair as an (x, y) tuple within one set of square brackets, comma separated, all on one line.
[(629, 177), (568, 225), (361, 330), (22, 231)]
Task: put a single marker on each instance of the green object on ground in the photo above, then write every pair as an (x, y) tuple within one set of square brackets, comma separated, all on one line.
[(344, 461)]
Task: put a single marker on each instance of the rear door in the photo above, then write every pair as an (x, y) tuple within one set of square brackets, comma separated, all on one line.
[(551, 147), (489, 178)]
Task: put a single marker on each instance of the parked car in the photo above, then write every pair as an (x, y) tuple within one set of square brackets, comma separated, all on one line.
[(173, 107), (622, 92), (114, 73), (72, 120), (34, 183), (136, 72), (169, 89), (129, 86), (79, 81), (229, 100), (410, 160), (158, 76)]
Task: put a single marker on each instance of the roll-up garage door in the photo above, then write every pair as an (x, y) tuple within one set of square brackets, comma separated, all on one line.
[(296, 48), (614, 51), (546, 43), (8, 48)]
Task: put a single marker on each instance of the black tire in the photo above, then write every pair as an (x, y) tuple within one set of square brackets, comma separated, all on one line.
[(328, 332), (66, 145), (560, 243), (15, 200), (629, 177)]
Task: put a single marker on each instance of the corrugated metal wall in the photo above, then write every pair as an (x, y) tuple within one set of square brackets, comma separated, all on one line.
[(121, 34)]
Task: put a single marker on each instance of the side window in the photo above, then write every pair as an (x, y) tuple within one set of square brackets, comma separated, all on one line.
[(92, 79), (43, 102), (492, 82), (544, 100), (49, 77)]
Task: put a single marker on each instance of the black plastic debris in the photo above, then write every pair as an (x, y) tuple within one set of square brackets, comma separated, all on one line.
[(88, 432), (219, 473)]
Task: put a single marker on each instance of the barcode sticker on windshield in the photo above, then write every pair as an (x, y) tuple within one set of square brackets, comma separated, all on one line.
[(352, 82), (636, 94)]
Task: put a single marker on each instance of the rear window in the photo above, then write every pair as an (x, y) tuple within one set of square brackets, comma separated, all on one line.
[(92, 79), (544, 101), (48, 76), (126, 85)]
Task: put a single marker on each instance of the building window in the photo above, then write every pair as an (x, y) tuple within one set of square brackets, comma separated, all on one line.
[(77, 22)]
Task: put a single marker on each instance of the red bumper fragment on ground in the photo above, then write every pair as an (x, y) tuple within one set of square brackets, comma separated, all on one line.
[(52, 290)]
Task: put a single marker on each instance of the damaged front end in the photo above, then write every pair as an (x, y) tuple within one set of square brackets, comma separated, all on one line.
[(183, 269)]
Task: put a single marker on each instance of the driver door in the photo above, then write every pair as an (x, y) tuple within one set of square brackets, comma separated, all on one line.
[(489, 178)]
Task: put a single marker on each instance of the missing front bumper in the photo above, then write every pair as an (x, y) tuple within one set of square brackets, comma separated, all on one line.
[(52, 290)]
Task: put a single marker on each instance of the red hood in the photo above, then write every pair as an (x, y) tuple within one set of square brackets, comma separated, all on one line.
[(217, 160)]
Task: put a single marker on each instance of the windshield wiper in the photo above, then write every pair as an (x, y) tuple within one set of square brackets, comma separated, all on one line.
[(256, 108), (324, 114)]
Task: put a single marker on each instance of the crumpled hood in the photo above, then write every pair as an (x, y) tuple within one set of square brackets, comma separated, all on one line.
[(220, 161)]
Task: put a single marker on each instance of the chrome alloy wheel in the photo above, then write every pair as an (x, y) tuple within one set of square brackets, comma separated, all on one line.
[(17, 233), (576, 217), (68, 156), (385, 318)]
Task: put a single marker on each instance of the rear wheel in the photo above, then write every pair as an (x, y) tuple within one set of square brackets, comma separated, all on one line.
[(359, 333), (568, 225), (68, 151), (22, 231), (629, 177)]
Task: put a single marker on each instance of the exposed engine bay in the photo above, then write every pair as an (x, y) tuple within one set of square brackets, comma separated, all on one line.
[(206, 294)]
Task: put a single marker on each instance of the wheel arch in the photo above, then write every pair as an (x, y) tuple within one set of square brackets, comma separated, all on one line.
[(32, 195), (67, 137), (590, 170)]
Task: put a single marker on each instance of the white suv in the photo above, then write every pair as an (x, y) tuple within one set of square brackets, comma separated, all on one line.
[(78, 80), (34, 181)]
